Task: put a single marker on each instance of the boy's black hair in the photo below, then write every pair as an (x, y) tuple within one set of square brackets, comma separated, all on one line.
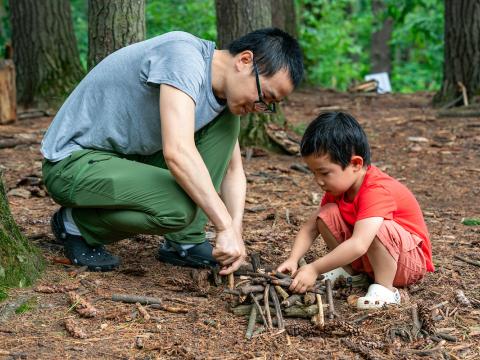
[(337, 134), (273, 50)]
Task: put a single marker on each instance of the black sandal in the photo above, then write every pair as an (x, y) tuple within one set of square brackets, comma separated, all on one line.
[(198, 256), (96, 258)]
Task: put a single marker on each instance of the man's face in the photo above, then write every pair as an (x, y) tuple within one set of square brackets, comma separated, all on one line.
[(242, 91), (330, 176)]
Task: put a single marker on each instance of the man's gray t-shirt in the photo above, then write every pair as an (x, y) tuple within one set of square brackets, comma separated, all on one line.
[(116, 106)]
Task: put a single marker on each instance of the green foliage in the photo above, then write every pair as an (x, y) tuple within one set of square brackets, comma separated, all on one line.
[(471, 222), (196, 17), (28, 305), (417, 43), (80, 26), (3, 294), (335, 37)]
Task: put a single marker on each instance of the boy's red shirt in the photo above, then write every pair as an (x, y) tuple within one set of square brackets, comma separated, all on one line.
[(382, 196)]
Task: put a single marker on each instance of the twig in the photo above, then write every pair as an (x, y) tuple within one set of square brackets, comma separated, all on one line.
[(463, 89), (292, 300), (467, 260), (231, 281), (331, 309), (283, 294), (278, 310), (251, 322), (255, 257), (287, 216), (417, 325), (172, 309), (132, 299), (259, 308), (267, 306), (320, 317), (143, 311)]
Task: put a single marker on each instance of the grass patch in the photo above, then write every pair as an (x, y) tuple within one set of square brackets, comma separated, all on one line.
[(471, 222), (28, 305), (3, 294)]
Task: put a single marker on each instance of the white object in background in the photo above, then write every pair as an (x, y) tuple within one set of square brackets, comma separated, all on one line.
[(382, 80)]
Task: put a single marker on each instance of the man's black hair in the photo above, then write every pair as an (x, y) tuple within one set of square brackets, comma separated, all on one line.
[(273, 50), (337, 134)]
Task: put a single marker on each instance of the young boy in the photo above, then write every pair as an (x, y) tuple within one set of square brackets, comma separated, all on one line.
[(370, 222)]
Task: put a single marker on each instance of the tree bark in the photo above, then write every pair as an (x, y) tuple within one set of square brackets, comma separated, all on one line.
[(236, 18), (284, 16), (45, 50), (20, 261), (8, 102), (462, 50), (380, 49), (113, 24)]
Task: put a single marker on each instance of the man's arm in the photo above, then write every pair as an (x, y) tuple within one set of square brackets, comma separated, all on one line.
[(234, 188), (177, 112)]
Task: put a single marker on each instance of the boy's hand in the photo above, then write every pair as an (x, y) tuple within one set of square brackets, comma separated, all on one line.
[(288, 266), (304, 279)]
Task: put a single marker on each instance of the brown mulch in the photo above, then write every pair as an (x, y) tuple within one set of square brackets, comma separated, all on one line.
[(442, 169)]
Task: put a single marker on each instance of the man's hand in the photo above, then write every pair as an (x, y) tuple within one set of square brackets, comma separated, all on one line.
[(229, 250), (288, 266), (304, 279)]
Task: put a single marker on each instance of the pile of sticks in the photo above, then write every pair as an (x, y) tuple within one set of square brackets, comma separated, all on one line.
[(265, 298)]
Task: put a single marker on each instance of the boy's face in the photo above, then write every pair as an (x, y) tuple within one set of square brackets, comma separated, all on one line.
[(332, 178)]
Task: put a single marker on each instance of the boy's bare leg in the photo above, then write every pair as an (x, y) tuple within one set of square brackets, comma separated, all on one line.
[(383, 264), (330, 241)]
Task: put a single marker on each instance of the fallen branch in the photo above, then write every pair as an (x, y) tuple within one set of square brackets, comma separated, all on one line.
[(267, 306), (467, 260), (132, 299), (172, 309), (331, 309), (278, 310), (319, 318)]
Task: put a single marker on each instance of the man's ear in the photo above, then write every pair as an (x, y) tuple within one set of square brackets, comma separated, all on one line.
[(357, 162), (244, 60)]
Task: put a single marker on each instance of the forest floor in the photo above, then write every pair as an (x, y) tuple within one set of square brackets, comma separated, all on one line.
[(437, 158)]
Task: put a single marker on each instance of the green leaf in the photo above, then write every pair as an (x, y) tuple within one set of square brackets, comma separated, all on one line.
[(471, 221)]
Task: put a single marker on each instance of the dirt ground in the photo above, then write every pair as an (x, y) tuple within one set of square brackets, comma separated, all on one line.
[(437, 158)]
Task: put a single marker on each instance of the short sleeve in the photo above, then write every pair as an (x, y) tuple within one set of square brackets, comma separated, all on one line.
[(327, 198), (176, 63), (376, 201)]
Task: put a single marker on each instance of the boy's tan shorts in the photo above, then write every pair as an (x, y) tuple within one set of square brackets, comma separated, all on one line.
[(402, 245)]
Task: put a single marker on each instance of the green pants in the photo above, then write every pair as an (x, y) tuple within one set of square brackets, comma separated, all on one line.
[(116, 196)]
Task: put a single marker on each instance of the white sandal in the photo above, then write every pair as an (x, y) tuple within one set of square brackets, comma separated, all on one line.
[(360, 280), (378, 296)]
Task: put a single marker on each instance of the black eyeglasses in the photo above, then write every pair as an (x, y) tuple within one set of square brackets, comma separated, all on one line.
[(260, 104)]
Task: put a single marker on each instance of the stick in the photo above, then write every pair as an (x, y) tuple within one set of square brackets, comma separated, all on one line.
[(231, 281), (259, 308), (247, 289), (320, 317), (143, 311), (297, 311), (283, 294), (251, 322), (267, 306), (278, 310), (255, 261), (417, 325), (467, 260), (464, 93), (132, 299), (172, 309), (331, 309), (292, 300)]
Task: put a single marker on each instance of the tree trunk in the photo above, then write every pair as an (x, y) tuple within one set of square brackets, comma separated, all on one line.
[(380, 49), (8, 102), (45, 50), (236, 18), (284, 16), (113, 24), (462, 50), (20, 261)]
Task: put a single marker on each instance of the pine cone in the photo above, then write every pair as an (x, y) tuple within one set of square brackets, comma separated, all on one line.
[(339, 283), (338, 326), (426, 319), (371, 344)]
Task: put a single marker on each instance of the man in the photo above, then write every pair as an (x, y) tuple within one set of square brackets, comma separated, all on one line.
[(149, 138)]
